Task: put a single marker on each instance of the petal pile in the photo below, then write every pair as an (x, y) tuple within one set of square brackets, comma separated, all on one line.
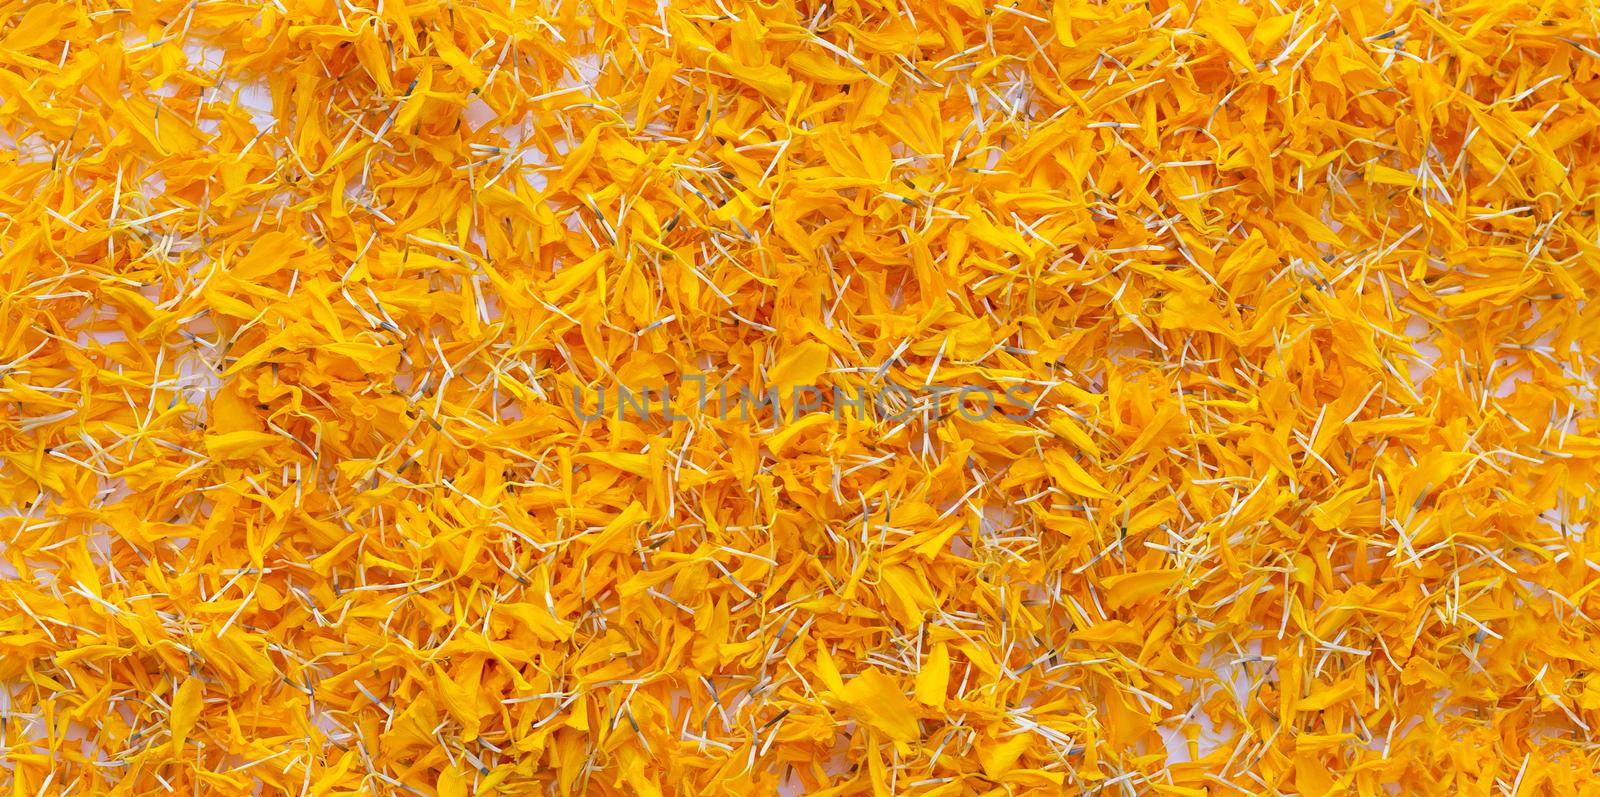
[(317, 478)]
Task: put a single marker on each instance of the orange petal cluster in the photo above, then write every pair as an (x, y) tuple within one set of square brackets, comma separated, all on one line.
[(305, 489)]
